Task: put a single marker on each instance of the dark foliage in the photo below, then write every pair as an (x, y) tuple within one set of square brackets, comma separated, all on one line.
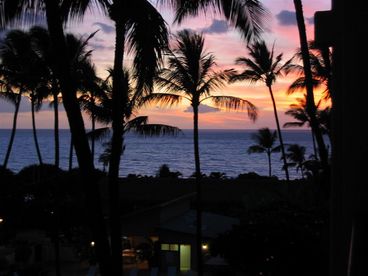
[(279, 240)]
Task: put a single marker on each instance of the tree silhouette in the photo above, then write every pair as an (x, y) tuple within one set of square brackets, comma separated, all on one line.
[(190, 76), (299, 113), (262, 66), (321, 71), (21, 70), (296, 156), (265, 142), (16, 11), (311, 106)]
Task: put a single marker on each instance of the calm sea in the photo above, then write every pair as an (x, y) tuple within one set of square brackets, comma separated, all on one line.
[(221, 151)]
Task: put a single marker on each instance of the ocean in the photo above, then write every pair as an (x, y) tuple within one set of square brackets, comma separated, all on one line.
[(220, 151)]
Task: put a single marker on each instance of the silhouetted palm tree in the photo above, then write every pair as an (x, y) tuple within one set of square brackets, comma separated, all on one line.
[(102, 110), (21, 69), (264, 67), (16, 11), (296, 156), (299, 113), (311, 106), (36, 103), (42, 45), (190, 76), (265, 142), (321, 72)]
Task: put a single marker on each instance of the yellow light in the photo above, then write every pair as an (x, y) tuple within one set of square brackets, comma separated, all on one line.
[(1, 220), (204, 246), (92, 243)]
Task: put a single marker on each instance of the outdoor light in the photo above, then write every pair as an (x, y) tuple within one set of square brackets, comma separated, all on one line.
[(204, 246), (1, 220), (92, 243)]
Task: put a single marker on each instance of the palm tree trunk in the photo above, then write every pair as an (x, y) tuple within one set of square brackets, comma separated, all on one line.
[(34, 130), (119, 99), (198, 176), (93, 200), (314, 146), (311, 106), (269, 163), (55, 93), (14, 128), (71, 147), (279, 133), (93, 138)]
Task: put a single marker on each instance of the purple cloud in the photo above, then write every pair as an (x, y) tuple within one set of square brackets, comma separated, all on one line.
[(203, 109)]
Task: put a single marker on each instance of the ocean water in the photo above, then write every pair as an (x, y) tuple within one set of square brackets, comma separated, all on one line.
[(220, 151)]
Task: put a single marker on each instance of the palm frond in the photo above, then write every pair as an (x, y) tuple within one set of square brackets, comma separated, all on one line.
[(75, 10), (169, 83), (294, 124), (215, 81), (136, 123), (250, 65), (299, 84), (148, 39), (20, 12), (149, 130), (246, 16), (9, 97), (235, 103), (99, 134), (162, 99), (256, 149)]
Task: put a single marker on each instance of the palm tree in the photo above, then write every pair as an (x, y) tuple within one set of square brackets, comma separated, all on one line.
[(264, 67), (42, 46), (190, 76), (265, 142), (311, 106), (36, 103), (21, 70), (102, 112), (14, 98), (13, 11), (299, 113), (140, 28), (296, 156), (321, 72)]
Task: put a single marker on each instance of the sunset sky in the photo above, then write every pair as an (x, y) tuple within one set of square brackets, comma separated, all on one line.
[(225, 43)]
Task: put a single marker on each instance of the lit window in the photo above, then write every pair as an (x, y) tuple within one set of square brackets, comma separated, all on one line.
[(174, 247), (169, 247), (165, 246)]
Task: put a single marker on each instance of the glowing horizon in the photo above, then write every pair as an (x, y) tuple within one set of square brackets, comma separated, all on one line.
[(226, 44)]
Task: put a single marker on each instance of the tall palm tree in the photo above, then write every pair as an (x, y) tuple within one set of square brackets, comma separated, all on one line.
[(140, 29), (21, 70), (190, 76), (14, 98), (15, 11), (42, 46), (36, 103), (311, 106), (265, 142), (263, 66), (296, 156)]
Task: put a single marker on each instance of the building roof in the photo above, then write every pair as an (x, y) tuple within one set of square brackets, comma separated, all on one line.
[(212, 224)]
